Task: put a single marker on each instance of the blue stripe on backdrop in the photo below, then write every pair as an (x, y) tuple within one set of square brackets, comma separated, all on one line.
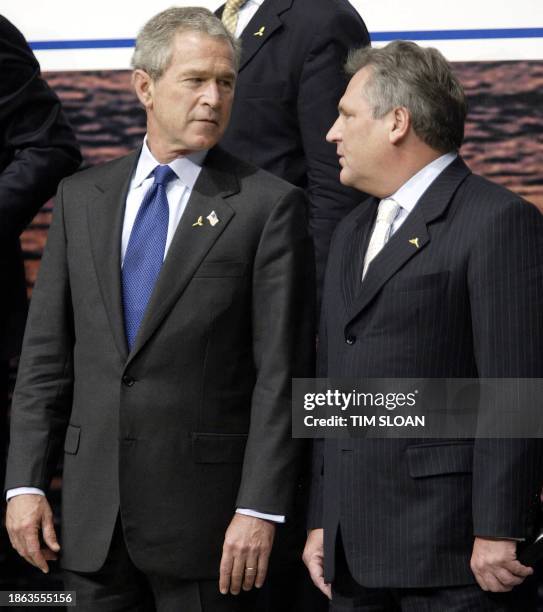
[(375, 36), (102, 43), (458, 34)]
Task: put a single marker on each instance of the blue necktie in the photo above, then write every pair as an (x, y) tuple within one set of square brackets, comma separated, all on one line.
[(145, 252)]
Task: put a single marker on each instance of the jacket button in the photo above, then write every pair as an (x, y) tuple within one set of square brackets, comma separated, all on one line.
[(350, 340), (128, 381)]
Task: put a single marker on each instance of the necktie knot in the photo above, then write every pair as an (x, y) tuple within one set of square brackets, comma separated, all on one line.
[(234, 5), (388, 211), (230, 14), (386, 214), (163, 175)]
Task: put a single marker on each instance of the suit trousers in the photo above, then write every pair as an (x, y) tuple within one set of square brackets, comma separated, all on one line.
[(348, 595), (119, 586)]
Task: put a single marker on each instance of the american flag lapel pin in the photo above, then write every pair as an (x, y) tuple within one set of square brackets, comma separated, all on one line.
[(212, 218)]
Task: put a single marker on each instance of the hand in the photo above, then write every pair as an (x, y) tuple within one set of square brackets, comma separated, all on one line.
[(494, 563), (26, 515), (313, 558), (245, 553)]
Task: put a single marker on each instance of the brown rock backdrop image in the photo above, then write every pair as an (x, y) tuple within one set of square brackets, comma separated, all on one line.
[(504, 131)]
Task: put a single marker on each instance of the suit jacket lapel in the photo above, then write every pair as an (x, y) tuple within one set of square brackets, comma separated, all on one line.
[(413, 235), (105, 214), (354, 249), (267, 17), (190, 243), (394, 255)]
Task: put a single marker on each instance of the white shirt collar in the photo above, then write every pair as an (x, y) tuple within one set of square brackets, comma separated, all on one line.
[(187, 167), (411, 191), (257, 2)]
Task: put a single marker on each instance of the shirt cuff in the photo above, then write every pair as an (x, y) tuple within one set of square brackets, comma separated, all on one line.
[(23, 491), (276, 518)]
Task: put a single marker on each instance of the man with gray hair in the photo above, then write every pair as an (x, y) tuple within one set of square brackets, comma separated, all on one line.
[(173, 307), (438, 275)]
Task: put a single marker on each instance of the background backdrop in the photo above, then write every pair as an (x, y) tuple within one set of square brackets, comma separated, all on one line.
[(496, 46)]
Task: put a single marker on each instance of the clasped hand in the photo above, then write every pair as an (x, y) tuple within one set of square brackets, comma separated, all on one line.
[(495, 565)]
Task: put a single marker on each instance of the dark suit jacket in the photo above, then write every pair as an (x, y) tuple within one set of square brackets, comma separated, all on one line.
[(195, 420), (467, 303), (37, 149), (289, 85)]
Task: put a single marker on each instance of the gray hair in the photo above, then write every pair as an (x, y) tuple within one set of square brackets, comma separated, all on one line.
[(153, 52), (421, 80)]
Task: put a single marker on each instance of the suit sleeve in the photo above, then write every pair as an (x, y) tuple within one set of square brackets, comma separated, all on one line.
[(506, 292), (316, 498), (37, 145), (316, 489), (322, 83), (283, 348), (43, 394)]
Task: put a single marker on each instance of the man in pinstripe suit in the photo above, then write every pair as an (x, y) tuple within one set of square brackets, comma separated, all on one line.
[(439, 275)]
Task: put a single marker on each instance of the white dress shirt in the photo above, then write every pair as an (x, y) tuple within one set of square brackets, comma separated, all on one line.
[(246, 13), (178, 192), (410, 192)]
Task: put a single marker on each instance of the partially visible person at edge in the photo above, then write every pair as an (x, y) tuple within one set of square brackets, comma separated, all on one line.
[(37, 150)]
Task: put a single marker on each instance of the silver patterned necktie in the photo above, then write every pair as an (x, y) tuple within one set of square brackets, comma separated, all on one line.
[(386, 214), (230, 14)]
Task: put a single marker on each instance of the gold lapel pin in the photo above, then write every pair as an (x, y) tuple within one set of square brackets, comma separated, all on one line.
[(199, 222), (260, 31), (212, 218), (415, 242)]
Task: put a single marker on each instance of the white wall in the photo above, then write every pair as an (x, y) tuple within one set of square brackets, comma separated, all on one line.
[(63, 20)]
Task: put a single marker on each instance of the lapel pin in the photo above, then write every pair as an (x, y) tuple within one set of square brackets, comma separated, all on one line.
[(199, 222), (415, 242), (260, 31), (212, 218)]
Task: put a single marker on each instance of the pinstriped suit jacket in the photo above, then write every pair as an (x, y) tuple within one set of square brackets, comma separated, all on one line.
[(466, 303)]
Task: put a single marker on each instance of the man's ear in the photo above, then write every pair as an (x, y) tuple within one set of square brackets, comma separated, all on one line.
[(144, 87), (400, 124)]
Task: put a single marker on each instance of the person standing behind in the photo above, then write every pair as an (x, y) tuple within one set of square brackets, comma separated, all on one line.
[(289, 83), (37, 149)]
